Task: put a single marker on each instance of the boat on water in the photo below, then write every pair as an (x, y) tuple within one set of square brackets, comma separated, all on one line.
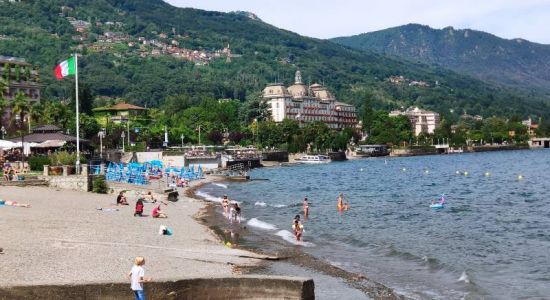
[(313, 159)]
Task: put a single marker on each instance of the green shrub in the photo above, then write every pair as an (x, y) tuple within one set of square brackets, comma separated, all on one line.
[(62, 158), (36, 163), (99, 185)]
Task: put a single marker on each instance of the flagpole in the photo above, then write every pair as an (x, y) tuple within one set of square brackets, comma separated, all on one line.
[(77, 115)]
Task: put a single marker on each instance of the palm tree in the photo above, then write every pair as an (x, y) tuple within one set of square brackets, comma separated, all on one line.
[(3, 103), (20, 105)]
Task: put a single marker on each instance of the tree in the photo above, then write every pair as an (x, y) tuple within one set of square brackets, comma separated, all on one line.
[(20, 106)]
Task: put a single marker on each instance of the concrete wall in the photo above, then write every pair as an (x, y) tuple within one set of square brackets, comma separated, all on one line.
[(205, 163), (242, 287), (148, 156), (173, 161), (73, 182)]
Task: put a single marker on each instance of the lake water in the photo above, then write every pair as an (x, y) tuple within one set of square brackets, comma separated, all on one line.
[(491, 240)]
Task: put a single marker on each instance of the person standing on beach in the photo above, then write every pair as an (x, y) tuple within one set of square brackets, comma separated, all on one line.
[(137, 278)]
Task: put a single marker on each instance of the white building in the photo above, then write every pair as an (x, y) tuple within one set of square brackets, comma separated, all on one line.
[(422, 121), (308, 104)]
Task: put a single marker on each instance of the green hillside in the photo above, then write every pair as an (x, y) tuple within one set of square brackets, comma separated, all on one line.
[(515, 63), (117, 63)]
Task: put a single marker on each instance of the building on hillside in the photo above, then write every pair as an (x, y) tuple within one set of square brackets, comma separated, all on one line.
[(531, 127), (20, 77), (422, 121), (118, 113), (308, 104)]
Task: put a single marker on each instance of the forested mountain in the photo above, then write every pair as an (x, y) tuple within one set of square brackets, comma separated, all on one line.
[(147, 50), (516, 63)]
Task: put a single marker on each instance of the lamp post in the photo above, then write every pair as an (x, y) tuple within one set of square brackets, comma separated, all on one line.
[(123, 135), (199, 135), (101, 135), (19, 122)]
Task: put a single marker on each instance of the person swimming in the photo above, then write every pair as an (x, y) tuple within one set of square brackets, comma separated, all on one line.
[(340, 204)]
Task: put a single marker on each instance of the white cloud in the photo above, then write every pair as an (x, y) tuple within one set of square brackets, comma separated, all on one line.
[(527, 19)]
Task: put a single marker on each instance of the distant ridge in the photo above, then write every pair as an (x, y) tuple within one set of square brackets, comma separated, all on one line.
[(517, 63), (127, 49)]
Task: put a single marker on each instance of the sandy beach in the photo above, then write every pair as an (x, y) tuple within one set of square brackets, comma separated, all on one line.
[(64, 239)]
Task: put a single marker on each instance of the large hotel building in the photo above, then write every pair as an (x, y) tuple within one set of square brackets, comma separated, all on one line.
[(308, 104)]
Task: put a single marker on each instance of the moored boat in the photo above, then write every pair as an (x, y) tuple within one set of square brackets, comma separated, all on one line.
[(313, 159)]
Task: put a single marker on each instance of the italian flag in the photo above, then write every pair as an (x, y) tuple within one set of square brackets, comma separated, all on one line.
[(65, 68)]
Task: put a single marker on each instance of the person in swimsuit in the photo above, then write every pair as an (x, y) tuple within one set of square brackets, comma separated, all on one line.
[(306, 207), (298, 229), (14, 203), (225, 205), (340, 204), (236, 213), (121, 199)]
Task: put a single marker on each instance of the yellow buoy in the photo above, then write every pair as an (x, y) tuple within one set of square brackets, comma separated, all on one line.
[(487, 174), (465, 173), (520, 177), (427, 171)]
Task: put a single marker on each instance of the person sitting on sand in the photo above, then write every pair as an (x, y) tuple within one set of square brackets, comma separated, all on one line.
[(7, 173), (121, 199), (149, 197), (157, 213), (139, 208), (14, 203)]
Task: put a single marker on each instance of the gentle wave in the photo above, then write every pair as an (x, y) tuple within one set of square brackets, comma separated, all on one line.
[(254, 222), (289, 237), (220, 185), (464, 277), (263, 204), (209, 197)]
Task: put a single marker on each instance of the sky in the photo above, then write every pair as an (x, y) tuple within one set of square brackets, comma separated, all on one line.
[(527, 19)]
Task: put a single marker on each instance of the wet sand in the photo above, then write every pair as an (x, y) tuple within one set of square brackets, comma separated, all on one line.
[(64, 239), (331, 281)]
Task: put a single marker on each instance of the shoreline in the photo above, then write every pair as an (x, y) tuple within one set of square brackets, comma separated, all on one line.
[(64, 231), (282, 253)]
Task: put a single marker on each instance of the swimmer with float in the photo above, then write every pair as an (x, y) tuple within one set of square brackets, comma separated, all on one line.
[(298, 228)]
